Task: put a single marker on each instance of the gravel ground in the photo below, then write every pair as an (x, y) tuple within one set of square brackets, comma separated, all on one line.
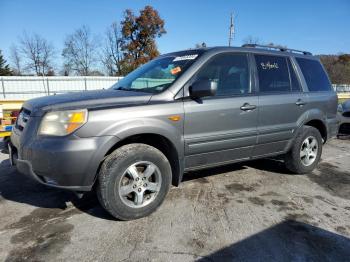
[(247, 212)]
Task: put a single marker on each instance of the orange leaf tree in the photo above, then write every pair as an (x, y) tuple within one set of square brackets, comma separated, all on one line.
[(139, 35)]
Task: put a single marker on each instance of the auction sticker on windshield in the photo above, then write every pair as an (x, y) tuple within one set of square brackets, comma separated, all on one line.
[(185, 57)]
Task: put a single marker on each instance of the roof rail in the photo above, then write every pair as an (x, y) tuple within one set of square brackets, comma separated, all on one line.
[(280, 48)]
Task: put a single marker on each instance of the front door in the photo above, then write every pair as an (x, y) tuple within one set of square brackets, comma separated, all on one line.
[(223, 128)]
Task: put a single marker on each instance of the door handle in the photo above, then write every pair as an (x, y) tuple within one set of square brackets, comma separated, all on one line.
[(300, 102), (247, 107)]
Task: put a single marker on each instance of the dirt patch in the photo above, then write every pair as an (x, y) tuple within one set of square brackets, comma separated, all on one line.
[(270, 193), (257, 201), (197, 243), (341, 230), (300, 217), (202, 180), (223, 197), (44, 231), (284, 205), (327, 215), (335, 181), (237, 188), (308, 200)]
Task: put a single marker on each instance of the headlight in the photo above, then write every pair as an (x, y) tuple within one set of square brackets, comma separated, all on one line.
[(61, 123)]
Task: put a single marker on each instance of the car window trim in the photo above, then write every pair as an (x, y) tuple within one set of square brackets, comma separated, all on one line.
[(251, 89), (276, 92), (306, 89)]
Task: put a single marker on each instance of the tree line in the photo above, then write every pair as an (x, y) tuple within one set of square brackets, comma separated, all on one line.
[(337, 66), (124, 47)]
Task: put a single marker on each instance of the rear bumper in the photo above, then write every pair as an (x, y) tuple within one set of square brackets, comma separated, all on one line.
[(344, 129), (332, 128)]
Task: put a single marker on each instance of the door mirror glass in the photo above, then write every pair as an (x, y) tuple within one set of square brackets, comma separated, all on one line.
[(203, 88)]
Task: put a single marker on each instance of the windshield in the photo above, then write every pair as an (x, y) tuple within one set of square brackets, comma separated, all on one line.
[(156, 75)]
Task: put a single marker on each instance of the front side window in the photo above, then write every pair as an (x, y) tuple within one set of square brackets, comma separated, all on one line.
[(315, 77), (158, 74), (273, 73), (230, 71)]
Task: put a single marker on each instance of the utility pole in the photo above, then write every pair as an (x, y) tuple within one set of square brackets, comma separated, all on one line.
[(231, 32)]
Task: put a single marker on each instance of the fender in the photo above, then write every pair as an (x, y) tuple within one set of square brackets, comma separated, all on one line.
[(133, 127), (312, 114), (309, 115)]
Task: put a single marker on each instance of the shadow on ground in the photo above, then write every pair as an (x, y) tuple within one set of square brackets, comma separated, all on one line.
[(288, 241), (18, 188), (274, 165)]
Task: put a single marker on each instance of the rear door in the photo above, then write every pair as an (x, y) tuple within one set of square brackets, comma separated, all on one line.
[(321, 95), (222, 128), (281, 103)]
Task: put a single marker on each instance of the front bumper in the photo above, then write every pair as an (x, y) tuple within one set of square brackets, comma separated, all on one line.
[(63, 162), (25, 168)]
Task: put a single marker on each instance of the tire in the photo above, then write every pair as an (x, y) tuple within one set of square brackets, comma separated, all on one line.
[(296, 160), (128, 169)]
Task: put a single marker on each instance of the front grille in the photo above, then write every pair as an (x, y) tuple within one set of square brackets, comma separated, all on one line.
[(22, 119)]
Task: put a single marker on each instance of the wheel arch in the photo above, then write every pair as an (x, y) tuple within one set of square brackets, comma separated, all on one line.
[(320, 126), (315, 118), (163, 144)]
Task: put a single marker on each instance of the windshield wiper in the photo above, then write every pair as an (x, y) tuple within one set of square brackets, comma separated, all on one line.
[(124, 88)]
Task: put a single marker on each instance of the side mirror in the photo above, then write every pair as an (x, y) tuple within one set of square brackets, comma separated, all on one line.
[(203, 88)]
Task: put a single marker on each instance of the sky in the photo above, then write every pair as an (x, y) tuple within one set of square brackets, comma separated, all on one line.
[(321, 27)]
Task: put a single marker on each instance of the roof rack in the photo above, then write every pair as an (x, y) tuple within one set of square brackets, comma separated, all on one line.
[(280, 48)]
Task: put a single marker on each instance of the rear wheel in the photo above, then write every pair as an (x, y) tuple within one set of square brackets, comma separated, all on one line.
[(305, 152), (134, 181)]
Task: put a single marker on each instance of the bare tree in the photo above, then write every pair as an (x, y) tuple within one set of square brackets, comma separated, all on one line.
[(38, 52), (80, 51), (111, 54), (202, 45), (16, 60), (251, 40)]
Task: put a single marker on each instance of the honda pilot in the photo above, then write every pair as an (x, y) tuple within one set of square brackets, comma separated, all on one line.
[(180, 112)]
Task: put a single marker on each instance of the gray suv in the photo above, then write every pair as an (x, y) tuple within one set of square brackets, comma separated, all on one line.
[(182, 111)]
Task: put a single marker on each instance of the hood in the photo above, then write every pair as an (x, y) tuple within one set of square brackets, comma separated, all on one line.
[(86, 99)]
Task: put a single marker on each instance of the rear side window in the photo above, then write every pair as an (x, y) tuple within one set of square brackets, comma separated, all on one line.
[(273, 73), (315, 77)]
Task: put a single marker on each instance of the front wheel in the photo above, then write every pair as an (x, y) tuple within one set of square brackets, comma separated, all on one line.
[(133, 181), (305, 152)]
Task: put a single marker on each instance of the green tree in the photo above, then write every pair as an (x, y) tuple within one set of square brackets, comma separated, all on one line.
[(4, 67), (138, 37)]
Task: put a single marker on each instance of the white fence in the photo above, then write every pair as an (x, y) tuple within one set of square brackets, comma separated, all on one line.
[(26, 87), (342, 88)]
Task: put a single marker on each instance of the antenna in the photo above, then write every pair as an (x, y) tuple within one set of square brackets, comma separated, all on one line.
[(232, 31)]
